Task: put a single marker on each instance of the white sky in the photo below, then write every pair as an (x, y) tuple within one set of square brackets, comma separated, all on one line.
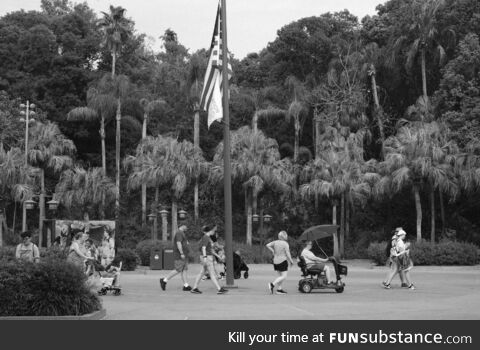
[(252, 24)]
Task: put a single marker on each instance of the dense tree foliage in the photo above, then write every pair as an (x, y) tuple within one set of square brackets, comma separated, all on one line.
[(366, 118)]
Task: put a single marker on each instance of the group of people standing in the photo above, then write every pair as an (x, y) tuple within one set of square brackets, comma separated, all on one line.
[(85, 255), (399, 260)]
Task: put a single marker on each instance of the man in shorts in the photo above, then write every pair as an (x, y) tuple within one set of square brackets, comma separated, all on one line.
[(180, 253), (206, 259), (314, 262)]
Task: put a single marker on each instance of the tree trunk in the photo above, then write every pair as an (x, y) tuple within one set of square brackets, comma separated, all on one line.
[(249, 217), (144, 186), (164, 228), (104, 162), (255, 122), (114, 62), (297, 140), (378, 112), (424, 75), (14, 217), (117, 160), (2, 219), (347, 218), (196, 142), (342, 227), (432, 214), (24, 217), (418, 208), (334, 214), (155, 211), (41, 204), (317, 148), (442, 211), (174, 218)]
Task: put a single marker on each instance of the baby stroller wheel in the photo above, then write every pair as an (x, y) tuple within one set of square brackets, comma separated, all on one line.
[(245, 274), (306, 287), (117, 292), (339, 289), (102, 291)]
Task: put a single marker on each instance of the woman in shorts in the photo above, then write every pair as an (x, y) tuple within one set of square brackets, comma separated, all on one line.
[(281, 259)]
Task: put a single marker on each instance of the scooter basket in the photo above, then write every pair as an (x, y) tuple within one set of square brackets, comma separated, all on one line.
[(342, 269)]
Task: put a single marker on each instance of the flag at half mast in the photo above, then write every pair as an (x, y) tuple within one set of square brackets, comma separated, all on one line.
[(211, 98)]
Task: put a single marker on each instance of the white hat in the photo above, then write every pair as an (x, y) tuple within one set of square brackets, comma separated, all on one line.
[(401, 233)]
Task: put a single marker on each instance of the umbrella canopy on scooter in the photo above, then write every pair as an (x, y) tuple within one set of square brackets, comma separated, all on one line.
[(318, 232)]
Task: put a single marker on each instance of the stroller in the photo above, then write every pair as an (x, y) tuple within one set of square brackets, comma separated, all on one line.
[(239, 265), (109, 279)]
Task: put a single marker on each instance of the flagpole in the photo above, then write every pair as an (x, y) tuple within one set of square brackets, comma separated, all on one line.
[(227, 182)]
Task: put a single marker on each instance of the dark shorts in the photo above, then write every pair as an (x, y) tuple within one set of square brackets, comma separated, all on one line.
[(181, 265), (283, 266)]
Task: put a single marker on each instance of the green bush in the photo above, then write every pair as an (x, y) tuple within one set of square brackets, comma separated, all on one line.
[(145, 248), (130, 259), (7, 253), (49, 288), (376, 252), (427, 253)]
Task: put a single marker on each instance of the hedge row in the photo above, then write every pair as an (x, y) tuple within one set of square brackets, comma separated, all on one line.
[(427, 253)]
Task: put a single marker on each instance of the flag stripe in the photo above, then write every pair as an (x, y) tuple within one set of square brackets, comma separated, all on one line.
[(214, 75)]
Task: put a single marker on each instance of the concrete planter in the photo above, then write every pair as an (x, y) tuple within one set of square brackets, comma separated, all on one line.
[(97, 315)]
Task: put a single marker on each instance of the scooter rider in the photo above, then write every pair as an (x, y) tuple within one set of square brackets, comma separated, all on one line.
[(314, 262)]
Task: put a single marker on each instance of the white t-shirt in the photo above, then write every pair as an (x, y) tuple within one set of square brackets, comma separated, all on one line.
[(310, 258), (280, 249)]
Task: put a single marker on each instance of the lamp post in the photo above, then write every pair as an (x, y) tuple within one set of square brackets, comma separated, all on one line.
[(27, 120), (52, 207), (152, 217), (27, 205), (164, 215)]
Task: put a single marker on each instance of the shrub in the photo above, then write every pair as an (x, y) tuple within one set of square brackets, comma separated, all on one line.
[(49, 288), (427, 253), (376, 252), (145, 248), (129, 258), (7, 253)]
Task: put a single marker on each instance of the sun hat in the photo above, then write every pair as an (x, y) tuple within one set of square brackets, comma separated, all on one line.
[(401, 233)]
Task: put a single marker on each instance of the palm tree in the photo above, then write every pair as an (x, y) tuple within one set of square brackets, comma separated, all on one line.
[(116, 29), (81, 191), (256, 167), (16, 181), (196, 72), (424, 26), (48, 149), (148, 107), (415, 159), (296, 110), (165, 162)]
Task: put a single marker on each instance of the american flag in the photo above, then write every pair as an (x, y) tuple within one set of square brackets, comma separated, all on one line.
[(211, 98)]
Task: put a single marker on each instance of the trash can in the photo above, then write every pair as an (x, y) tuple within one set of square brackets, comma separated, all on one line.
[(168, 259), (156, 260)]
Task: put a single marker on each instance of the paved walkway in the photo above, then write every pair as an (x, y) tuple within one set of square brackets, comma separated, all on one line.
[(442, 293)]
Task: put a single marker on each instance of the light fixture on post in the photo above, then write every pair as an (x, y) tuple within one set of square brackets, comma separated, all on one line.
[(255, 218), (182, 214), (267, 218), (30, 204), (53, 205)]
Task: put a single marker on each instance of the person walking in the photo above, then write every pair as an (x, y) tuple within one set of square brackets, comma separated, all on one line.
[(180, 253), (27, 251), (281, 259), (401, 262), (206, 260)]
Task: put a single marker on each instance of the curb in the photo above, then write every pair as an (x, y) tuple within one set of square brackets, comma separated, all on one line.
[(95, 316)]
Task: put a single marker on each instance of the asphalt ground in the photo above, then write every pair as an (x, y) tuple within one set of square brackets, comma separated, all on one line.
[(442, 293)]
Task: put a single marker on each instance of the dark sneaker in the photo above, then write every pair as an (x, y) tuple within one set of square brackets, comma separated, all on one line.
[(222, 291), (411, 287), (280, 292), (195, 291), (270, 287), (187, 288), (404, 285), (163, 284), (386, 286)]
